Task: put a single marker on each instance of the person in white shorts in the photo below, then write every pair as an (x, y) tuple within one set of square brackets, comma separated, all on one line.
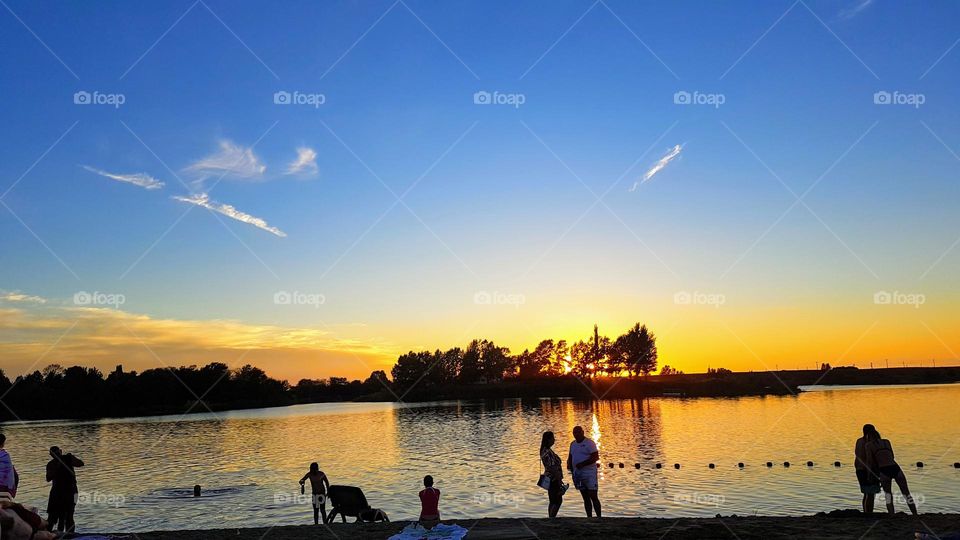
[(581, 462)]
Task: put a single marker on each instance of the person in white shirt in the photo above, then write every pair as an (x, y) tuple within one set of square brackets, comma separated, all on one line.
[(581, 461)]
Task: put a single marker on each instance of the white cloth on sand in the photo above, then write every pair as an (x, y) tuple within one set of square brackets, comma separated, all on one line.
[(440, 531)]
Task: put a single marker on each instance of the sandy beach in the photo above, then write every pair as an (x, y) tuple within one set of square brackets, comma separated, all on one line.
[(838, 525)]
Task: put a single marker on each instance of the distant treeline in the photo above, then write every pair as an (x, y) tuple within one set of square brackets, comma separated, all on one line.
[(80, 392)]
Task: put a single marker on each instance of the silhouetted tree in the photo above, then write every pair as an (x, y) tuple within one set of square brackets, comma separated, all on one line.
[(636, 350)]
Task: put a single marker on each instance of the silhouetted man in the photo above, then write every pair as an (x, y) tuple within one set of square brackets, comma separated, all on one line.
[(63, 489), (9, 479), (581, 461), (866, 469)]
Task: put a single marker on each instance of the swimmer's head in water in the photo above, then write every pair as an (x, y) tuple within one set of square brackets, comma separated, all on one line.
[(578, 433), (314, 467)]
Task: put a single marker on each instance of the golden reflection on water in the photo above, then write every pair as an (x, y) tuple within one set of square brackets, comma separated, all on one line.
[(483, 456)]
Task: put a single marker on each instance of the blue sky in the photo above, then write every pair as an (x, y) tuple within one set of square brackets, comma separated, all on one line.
[(508, 199)]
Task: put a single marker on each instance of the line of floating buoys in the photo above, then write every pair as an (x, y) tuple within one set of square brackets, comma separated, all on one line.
[(741, 465)]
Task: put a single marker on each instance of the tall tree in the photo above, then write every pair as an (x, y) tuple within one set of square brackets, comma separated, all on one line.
[(636, 350)]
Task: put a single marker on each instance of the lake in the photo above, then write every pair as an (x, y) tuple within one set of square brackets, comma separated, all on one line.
[(140, 472)]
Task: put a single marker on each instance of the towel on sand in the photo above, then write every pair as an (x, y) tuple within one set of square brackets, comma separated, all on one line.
[(441, 531)]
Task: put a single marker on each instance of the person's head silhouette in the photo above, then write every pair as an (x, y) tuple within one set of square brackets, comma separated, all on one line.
[(578, 434)]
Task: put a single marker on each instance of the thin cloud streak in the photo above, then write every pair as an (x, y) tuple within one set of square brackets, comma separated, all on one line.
[(853, 11), (202, 199), (232, 161), (306, 162), (659, 166), (143, 180)]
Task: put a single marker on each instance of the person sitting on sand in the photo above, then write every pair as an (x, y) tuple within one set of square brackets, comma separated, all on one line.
[(9, 479), (429, 504), (581, 461), (867, 475), (881, 452), (62, 476), (318, 489)]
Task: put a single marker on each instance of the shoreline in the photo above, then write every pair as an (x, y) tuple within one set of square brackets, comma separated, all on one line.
[(835, 525)]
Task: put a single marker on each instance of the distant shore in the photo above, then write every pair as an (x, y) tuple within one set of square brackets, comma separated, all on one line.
[(732, 384), (845, 524), (693, 385)]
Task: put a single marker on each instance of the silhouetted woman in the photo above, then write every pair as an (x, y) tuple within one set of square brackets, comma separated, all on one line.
[(882, 453), (553, 468), (318, 490)]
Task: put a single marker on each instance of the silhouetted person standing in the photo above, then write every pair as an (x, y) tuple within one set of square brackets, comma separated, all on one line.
[(881, 451), (319, 484), (553, 469), (9, 479), (582, 465), (867, 475), (63, 490)]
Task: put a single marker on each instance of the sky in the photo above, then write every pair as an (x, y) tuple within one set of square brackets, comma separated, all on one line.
[(318, 187)]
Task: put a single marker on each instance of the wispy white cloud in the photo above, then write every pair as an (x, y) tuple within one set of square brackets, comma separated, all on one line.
[(202, 199), (659, 165), (143, 180), (232, 161), (854, 10), (306, 162), (17, 296)]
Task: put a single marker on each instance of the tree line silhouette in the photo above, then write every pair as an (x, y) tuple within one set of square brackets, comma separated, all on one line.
[(81, 392)]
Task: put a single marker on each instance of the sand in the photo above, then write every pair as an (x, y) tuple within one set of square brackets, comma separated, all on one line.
[(839, 525)]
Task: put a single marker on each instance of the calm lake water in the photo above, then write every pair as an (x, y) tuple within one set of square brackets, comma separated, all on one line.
[(140, 472)]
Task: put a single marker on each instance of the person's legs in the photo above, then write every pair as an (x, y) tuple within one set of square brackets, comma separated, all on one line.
[(316, 515), (587, 503), (595, 499), (887, 486), (323, 512), (556, 499), (868, 501), (53, 520), (902, 484), (68, 520)]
